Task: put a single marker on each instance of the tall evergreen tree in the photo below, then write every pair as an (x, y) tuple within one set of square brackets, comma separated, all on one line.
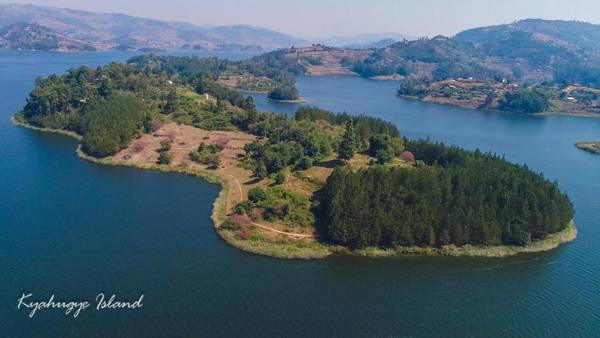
[(349, 145)]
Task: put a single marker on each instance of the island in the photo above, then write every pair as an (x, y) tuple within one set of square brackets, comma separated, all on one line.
[(592, 147), (306, 186)]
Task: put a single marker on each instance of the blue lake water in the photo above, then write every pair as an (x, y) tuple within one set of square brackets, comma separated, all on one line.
[(74, 229)]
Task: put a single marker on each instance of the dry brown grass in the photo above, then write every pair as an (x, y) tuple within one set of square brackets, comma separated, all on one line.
[(184, 138)]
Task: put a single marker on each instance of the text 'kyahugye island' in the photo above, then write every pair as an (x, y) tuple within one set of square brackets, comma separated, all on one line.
[(304, 186)]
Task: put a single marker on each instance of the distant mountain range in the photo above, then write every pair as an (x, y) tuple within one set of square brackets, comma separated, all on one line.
[(565, 34), (30, 27), (362, 41), (24, 36), (531, 50)]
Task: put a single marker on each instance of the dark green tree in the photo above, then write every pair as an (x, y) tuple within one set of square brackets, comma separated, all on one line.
[(172, 102), (280, 177), (164, 157), (348, 146)]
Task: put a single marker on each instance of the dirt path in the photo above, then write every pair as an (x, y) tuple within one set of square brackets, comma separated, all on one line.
[(239, 186), (264, 227)]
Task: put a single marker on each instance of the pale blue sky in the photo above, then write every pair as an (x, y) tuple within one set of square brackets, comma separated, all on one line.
[(320, 18)]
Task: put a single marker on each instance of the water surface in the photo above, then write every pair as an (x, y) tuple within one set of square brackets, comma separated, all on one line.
[(74, 229)]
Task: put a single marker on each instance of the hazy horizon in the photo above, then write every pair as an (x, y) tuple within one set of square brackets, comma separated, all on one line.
[(322, 19)]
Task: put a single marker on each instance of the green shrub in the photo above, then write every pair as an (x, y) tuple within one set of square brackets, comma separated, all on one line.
[(256, 195), (165, 145), (278, 204), (164, 158), (280, 177)]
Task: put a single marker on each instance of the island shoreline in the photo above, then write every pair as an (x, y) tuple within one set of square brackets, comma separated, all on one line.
[(300, 100), (318, 250), (589, 146), (546, 113)]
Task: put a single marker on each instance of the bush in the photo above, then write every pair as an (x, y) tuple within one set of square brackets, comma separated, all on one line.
[(278, 204), (384, 147), (207, 155), (280, 177), (304, 163), (383, 156), (256, 195), (221, 142), (165, 145), (212, 160), (164, 158)]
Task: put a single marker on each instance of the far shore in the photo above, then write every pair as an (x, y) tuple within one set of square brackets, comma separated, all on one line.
[(292, 249), (546, 113), (250, 91)]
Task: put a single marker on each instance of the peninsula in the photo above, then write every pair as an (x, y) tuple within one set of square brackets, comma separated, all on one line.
[(305, 186)]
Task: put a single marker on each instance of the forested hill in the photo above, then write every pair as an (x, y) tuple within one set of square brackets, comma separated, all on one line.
[(528, 50), (573, 34), (23, 36), (111, 30)]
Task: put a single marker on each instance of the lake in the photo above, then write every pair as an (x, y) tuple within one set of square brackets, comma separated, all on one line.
[(75, 229)]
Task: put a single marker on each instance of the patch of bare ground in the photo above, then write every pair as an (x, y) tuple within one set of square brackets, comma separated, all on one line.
[(330, 59)]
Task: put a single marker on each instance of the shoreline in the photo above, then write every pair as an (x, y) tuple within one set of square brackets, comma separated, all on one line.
[(313, 250), (551, 242), (250, 91), (546, 113), (589, 146), (281, 250), (18, 122), (300, 100)]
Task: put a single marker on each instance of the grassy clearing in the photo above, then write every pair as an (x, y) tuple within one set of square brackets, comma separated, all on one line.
[(290, 249)]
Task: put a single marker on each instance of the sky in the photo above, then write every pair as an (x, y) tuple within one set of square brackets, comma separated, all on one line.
[(326, 18)]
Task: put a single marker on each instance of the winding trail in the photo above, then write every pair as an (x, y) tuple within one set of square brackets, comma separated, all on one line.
[(264, 227)]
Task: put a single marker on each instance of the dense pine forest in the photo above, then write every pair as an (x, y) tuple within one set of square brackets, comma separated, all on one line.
[(458, 198)]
